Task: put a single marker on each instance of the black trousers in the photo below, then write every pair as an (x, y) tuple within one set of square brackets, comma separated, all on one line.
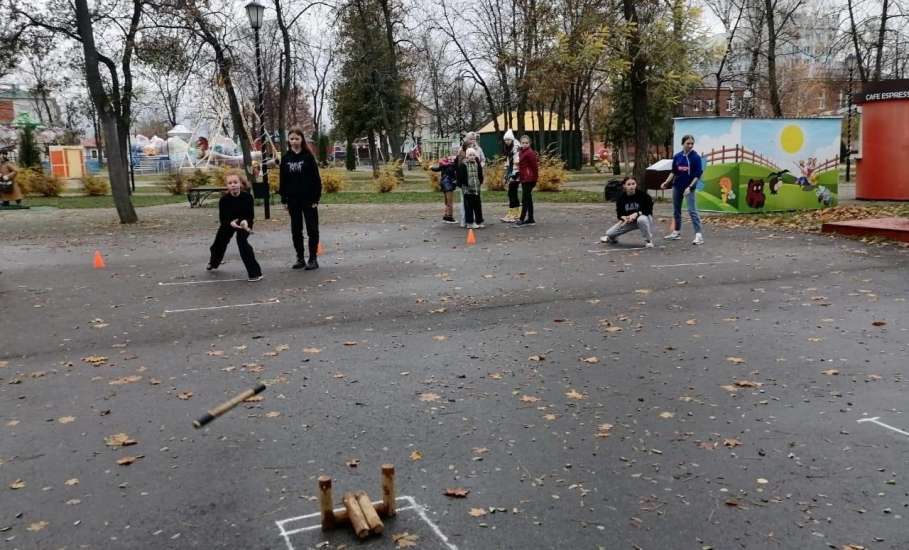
[(219, 247), (513, 201), (527, 207), (301, 213), (473, 209)]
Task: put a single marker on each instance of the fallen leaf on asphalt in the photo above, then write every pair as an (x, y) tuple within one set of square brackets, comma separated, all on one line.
[(667, 414), (353, 463), (691, 322), (613, 329), (440, 337), (254, 399), (815, 339), (37, 526), (477, 512), (405, 539), (185, 395), (119, 440), (73, 501), (735, 360), (536, 358), (731, 442), (282, 347), (852, 547), (416, 455), (590, 360), (495, 376), (603, 430), (18, 484), (878, 323), (125, 380), (729, 388), (747, 384), (4, 364), (66, 419), (95, 360), (215, 353), (154, 381), (574, 394), (254, 368), (350, 343), (429, 396), (549, 417), (457, 492), (312, 350), (127, 460), (480, 450), (830, 372), (272, 414), (762, 481), (72, 481), (643, 291), (529, 399), (12, 423)]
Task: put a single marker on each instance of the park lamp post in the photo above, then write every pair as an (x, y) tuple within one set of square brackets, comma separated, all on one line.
[(255, 12), (850, 67)]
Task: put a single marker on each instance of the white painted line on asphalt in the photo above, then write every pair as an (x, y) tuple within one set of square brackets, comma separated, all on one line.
[(608, 250), (876, 420), (209, 308), (695, 264), (200, 282), (412, 505)]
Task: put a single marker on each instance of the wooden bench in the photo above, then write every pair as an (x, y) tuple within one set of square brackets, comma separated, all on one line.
[(197, 195)]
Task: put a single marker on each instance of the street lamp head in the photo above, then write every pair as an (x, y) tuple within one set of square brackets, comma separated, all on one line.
[(255, 11), (850, 62)]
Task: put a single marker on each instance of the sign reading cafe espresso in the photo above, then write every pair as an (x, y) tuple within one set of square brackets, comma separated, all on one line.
[(883, 90)]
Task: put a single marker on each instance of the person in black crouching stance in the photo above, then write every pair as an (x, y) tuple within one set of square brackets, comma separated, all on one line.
[(236, 216), (301, 190)]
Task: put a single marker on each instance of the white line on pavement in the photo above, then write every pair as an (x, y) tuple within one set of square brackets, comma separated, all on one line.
[(269, 302), (200, 282), (876, 420), (695, 264)]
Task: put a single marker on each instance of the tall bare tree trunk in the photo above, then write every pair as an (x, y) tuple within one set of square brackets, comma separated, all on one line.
[(639, 100), (882, 31), (119, 178), (863, 76), (772, 83), (284, 85)]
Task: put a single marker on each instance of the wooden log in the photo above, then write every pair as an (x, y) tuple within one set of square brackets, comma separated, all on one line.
[(325, 503), (388, 509), (369, 512), (227, 405), (357, 520)]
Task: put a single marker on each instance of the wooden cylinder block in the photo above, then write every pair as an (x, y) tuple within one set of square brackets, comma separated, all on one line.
[(388, 491), (325, 503), (355, 513), (369, 512)]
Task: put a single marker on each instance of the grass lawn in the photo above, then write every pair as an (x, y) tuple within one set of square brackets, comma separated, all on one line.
[(101, 202)]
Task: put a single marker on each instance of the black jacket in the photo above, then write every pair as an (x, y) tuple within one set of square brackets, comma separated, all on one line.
[(300, 177), (629, 204), (463, 175), (232, 208)]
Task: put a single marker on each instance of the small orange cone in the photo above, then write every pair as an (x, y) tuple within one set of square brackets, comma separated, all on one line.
[(471, 238), (319, 250), (99, 260)]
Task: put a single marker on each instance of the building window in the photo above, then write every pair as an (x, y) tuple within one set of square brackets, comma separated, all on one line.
[(730, 103), (822, 100), (710, 105), (697, 105), (94, 153)]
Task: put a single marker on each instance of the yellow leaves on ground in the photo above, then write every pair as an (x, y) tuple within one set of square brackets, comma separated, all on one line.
[(37, 526), (440, 337), (405, 539), (456, 492), (353, 462), (119, 440), (667, 415), (603, 430), (830, 372), (574, 394), (536, 358), (16, 485), (125, 380), (429, 397), (312, 350), (529, 399), (477, 512), (95, 360), (185, 395), (72, 481), (731, 442), (127, 460), (416, 455), (735, 360), (691, 322), (66, 419), (272, 414), (590, 360)]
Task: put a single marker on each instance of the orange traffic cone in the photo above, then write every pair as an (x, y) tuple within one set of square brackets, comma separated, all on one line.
[(99, 260), (319, 250), (471, 238)]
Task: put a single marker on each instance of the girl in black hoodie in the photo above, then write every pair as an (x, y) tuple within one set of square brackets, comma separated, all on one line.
[(301, 190), (236, 215)]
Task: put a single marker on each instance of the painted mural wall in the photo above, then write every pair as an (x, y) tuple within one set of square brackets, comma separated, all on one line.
[(755, 165)]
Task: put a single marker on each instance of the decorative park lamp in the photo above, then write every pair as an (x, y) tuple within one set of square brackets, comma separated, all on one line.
[(850, 66), (256, 11)]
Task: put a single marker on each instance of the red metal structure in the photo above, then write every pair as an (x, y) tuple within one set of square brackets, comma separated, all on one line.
[(883, 170)]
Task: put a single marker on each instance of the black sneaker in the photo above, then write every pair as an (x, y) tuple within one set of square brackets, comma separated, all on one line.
[(521, 223), (299, 265), (312, 264)]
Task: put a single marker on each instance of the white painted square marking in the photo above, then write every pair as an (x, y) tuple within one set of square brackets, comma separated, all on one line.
[(411, 505)]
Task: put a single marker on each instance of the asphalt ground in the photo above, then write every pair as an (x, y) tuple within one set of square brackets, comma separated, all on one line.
[(587, 396)]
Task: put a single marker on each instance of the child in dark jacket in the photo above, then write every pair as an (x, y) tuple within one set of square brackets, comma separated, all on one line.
[(301, 190), (634, 209), (448, 181), (470, 178), (236, 216)]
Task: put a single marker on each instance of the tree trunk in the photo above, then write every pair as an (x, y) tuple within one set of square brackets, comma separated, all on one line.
[(863, 76), (639, 101), (373, 154), (284, 85), (590, 138), (394, 111), (774, 87), (882, 31), (119, 178)]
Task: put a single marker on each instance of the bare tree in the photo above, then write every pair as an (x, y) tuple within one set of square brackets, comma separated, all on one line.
[(730, 13)]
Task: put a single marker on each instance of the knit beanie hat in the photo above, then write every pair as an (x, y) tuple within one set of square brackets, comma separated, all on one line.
[(509, 135)]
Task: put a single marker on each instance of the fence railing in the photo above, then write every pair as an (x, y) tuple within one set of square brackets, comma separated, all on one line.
[(738, 154)]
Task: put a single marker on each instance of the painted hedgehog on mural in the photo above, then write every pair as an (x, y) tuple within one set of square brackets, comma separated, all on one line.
[(755, 196), (824, 196), (776, 181)]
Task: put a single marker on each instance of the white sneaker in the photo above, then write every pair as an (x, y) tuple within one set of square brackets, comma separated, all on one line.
[(648, 244), (674, 236), (698, 239), (473, 225), (481, 226), (608, 240)]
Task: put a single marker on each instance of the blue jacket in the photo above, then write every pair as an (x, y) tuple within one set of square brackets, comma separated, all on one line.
[(686, 169)]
